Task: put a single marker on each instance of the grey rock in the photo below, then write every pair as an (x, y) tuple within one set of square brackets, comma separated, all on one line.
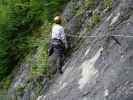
[(99, 68)]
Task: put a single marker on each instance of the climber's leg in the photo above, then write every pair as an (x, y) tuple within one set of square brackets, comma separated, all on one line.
[(60, 63), (60, 58), (59, 51)]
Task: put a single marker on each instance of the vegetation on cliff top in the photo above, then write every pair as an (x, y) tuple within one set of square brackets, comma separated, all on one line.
[(19, 22), (24, 25)]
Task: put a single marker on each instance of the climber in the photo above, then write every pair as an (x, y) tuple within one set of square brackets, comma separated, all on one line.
[(58, 42)]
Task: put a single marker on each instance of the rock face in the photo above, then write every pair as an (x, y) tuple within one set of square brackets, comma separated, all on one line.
[(101, 64), (101, 67)]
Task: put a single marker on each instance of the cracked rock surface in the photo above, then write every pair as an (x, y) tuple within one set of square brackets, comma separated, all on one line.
[(101, 68)]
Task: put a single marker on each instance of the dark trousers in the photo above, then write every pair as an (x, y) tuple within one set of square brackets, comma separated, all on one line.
[(60, 62), (56, 46)]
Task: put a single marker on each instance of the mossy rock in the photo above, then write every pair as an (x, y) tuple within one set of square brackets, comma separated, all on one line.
[(86, 5), (5, 84), (52, 66), (108, 4), (20, 88), (95, 19)]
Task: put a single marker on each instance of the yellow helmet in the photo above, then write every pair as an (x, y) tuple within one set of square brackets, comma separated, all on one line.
[(57, 20)]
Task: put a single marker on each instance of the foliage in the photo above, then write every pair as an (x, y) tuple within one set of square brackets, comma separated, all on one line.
[(17, 20), (108, 4), (53, 7), (41, 60), (20, 88), (40, 67), (95, 18), (19, 23), (4, 85), (89, 3)]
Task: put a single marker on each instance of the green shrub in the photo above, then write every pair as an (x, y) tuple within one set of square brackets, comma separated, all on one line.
[(95, 19), (108, 4), (41, 60), (19, 23), (89, 3), (20, 88), (40, 67), (5, 84), (18, 19)]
